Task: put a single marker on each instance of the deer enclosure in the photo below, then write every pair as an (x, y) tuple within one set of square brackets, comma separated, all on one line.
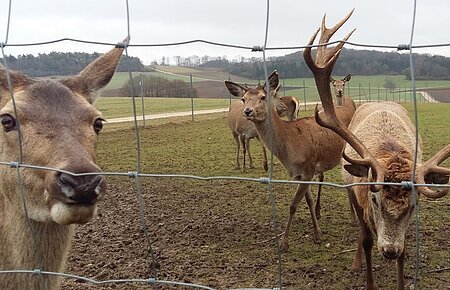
[(219, 233)]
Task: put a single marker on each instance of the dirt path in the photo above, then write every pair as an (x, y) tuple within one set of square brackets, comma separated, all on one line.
[(166, 115)]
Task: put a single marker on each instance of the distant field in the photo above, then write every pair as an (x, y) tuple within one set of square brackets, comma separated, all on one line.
[(123, 107), (209, 84)]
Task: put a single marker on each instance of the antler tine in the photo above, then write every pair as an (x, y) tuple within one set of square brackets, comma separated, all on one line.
[(432, 166), (322, 68), (324, 55)]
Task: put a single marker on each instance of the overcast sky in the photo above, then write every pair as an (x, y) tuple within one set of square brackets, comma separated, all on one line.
[(238, 22)]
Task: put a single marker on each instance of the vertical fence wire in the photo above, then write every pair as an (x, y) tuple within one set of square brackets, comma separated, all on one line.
[(137, 175), (416, 123), (21, 190), (138, 161), (271, 145)]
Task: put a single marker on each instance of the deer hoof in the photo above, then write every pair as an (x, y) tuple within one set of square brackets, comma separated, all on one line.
[(284, 246)]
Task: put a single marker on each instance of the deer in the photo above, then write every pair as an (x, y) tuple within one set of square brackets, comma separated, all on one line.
[(293, 106), (304, 148), (244, 130), (58, 128), (381, 147), (339, 86)]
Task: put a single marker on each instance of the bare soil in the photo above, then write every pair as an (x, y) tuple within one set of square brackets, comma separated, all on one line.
[(220, 233)]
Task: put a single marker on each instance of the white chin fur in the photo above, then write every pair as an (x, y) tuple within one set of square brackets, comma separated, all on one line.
[(66, 214)]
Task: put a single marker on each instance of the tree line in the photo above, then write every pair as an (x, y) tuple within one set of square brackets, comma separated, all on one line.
[(151, 86), (357, 62), (64, 63)]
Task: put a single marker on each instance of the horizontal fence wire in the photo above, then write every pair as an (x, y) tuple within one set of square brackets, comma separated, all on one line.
[(16, 165)]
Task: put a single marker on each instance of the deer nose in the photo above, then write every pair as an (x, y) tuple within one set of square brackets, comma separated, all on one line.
[(248, 112), (81, 189), (391, 252)]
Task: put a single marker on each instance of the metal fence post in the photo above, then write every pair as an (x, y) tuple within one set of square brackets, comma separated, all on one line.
[(192, 97), (141, 83), (304, 93)]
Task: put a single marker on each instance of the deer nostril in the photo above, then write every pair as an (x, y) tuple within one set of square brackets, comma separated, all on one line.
[(68, 180)]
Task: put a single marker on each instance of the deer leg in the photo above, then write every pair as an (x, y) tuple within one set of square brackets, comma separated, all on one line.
[(400, 269), (265, 165), (318, 207), (352, 208), (247, 146), (242, 139), (357, 261), (317, 231), (238, 142), (301, 191), (367, 243)]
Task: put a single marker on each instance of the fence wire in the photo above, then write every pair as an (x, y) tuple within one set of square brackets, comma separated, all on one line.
[(137, 175)]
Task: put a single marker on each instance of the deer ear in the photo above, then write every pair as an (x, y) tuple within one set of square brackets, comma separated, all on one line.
[(331, 80), (273, 81), (436, 178), (235, 89), (18, 80), (357, 170), (96, 75), (347, 77)]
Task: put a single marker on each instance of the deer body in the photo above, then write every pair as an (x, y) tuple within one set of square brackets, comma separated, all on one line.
[(381, 144), (59, 128), (244, 130), (302, 146)]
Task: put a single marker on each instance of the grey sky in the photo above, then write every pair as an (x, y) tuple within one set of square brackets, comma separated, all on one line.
[(239, 22)]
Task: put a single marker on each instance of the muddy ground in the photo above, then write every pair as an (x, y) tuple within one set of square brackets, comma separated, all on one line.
[(220, 233)]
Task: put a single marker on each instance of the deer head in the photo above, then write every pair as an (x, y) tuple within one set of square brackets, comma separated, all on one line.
[(255, 99), (59, 127), (390, 207), (339, 85)]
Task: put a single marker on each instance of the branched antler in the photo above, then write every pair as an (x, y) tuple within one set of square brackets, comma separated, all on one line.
[(432, 167), (322, 68)]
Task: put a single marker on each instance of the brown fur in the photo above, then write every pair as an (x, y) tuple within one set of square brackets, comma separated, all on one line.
[(388, 134), (302, 146), (57, 126), (244, 130)]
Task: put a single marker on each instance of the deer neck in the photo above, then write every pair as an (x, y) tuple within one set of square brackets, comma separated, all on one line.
[(271, 127), (18, 240)]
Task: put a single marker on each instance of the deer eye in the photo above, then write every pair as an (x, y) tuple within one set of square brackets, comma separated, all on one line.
[(243, 100), (9, 123), (98, 125), (263, 98)]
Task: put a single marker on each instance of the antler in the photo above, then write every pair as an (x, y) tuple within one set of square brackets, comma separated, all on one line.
[(322, 68), (430, 167)]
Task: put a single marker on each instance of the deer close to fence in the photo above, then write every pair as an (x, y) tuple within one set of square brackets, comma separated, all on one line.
[(339, 87), (244, 130), (58, 126), (381, 147), (303, 147)]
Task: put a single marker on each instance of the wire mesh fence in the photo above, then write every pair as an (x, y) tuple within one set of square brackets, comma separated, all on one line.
[(20, 168)]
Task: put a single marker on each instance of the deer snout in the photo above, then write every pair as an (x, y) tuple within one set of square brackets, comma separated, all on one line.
[(391, 252), (248, 112), (81, 189)]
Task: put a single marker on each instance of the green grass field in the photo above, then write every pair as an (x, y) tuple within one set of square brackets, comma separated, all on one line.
[(123, 107)]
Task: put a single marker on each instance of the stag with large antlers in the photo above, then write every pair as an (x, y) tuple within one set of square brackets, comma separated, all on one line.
[(58, 128), (381, 148), (303, 147)]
